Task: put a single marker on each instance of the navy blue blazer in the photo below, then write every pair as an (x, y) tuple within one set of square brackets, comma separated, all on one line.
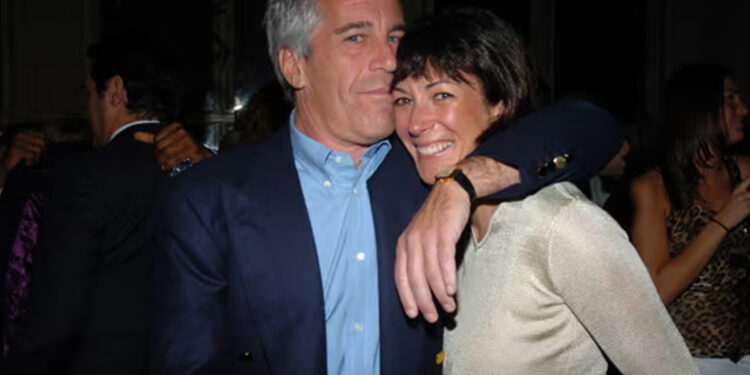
[(238, 287)]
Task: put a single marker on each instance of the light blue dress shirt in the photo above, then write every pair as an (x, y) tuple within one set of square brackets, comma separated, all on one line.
[(338, 204)]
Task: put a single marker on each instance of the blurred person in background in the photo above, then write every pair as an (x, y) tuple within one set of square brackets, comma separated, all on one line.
[(690, 212), (88, 305)]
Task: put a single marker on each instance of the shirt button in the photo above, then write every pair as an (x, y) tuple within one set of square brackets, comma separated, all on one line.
[(338, 159), (356, 191), (358, 327), (360, 256), (327, 183)]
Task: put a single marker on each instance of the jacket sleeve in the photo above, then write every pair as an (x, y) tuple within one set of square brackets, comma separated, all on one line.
[(190, 284), (583, 136), (65, 265)]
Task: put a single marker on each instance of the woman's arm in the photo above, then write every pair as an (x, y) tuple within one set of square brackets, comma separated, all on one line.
[(672, 275), (598, 274)]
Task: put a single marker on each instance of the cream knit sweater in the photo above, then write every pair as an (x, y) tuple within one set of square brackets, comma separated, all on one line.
[(553, 281)]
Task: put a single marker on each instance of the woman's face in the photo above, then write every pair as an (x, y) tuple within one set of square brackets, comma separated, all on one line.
[(439, 120), (734, 111)]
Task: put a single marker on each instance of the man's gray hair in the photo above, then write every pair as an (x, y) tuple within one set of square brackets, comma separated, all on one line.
[(289, 23)]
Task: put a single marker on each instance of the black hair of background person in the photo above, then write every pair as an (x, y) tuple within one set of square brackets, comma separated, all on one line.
[(693, 129), (153, 91), (181, 30)]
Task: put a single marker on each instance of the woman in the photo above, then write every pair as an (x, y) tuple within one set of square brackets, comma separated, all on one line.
[(689, 210), (546, 281)]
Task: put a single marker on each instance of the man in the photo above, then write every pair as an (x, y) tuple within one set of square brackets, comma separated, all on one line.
[(278, 257), (90, 285)]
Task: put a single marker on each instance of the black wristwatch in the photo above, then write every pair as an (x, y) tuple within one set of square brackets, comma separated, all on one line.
[(458, 175)]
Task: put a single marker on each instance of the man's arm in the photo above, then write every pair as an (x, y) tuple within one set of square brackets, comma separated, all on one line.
[(188, 335), (173, 145), (563, 142)]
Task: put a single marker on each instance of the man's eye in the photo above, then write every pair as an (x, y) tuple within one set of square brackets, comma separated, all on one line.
[(394, 38), (355, 38), (401, 101)]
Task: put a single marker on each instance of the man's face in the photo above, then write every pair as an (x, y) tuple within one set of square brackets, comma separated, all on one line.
[(347, 76), (96, 104)]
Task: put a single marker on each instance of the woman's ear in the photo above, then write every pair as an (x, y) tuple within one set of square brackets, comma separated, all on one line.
[(497, 111)]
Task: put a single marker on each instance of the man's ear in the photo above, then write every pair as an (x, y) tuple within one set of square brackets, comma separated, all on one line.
[(116, 94), (292, 67)]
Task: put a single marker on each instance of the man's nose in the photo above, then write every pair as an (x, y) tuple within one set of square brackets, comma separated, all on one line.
[(385, 56)]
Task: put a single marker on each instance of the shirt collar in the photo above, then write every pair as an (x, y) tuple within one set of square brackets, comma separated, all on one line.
[(315, 156), (130, 125)]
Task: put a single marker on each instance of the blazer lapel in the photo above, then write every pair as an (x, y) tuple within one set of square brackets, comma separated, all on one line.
[(277, 260)]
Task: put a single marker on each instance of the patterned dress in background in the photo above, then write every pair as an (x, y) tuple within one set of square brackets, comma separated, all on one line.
[(18, 274), (712, 313)]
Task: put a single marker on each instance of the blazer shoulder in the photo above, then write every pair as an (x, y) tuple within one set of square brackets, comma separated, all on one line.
[(245, 164)]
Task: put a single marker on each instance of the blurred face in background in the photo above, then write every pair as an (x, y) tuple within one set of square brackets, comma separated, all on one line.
[(440, 120), (734, 111)]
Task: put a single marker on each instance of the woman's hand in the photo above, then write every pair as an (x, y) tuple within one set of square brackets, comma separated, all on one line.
[(737, 207)]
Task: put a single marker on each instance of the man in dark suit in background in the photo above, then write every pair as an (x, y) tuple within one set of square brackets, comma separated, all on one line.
[(88, 308), (278, 257)]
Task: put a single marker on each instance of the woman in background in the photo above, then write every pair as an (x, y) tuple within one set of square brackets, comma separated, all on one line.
[(688, 221)]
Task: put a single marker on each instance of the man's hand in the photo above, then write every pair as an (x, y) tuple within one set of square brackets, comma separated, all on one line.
[(425, 256), (172, 145), (426, 250), (26, 146)]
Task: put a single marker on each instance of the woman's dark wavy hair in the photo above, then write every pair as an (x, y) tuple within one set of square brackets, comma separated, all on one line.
[(474, 42), (694, 131), (148, 75)]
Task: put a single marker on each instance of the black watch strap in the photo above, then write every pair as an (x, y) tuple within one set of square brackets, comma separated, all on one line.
[(458, 175)]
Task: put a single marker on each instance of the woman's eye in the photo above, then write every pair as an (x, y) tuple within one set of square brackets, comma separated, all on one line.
[(443, 95), (401, 101)]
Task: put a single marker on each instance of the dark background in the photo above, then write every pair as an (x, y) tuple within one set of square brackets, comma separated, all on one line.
[(616, 53)]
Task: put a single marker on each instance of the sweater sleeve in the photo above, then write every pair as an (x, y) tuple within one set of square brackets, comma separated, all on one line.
[(599, 275)]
